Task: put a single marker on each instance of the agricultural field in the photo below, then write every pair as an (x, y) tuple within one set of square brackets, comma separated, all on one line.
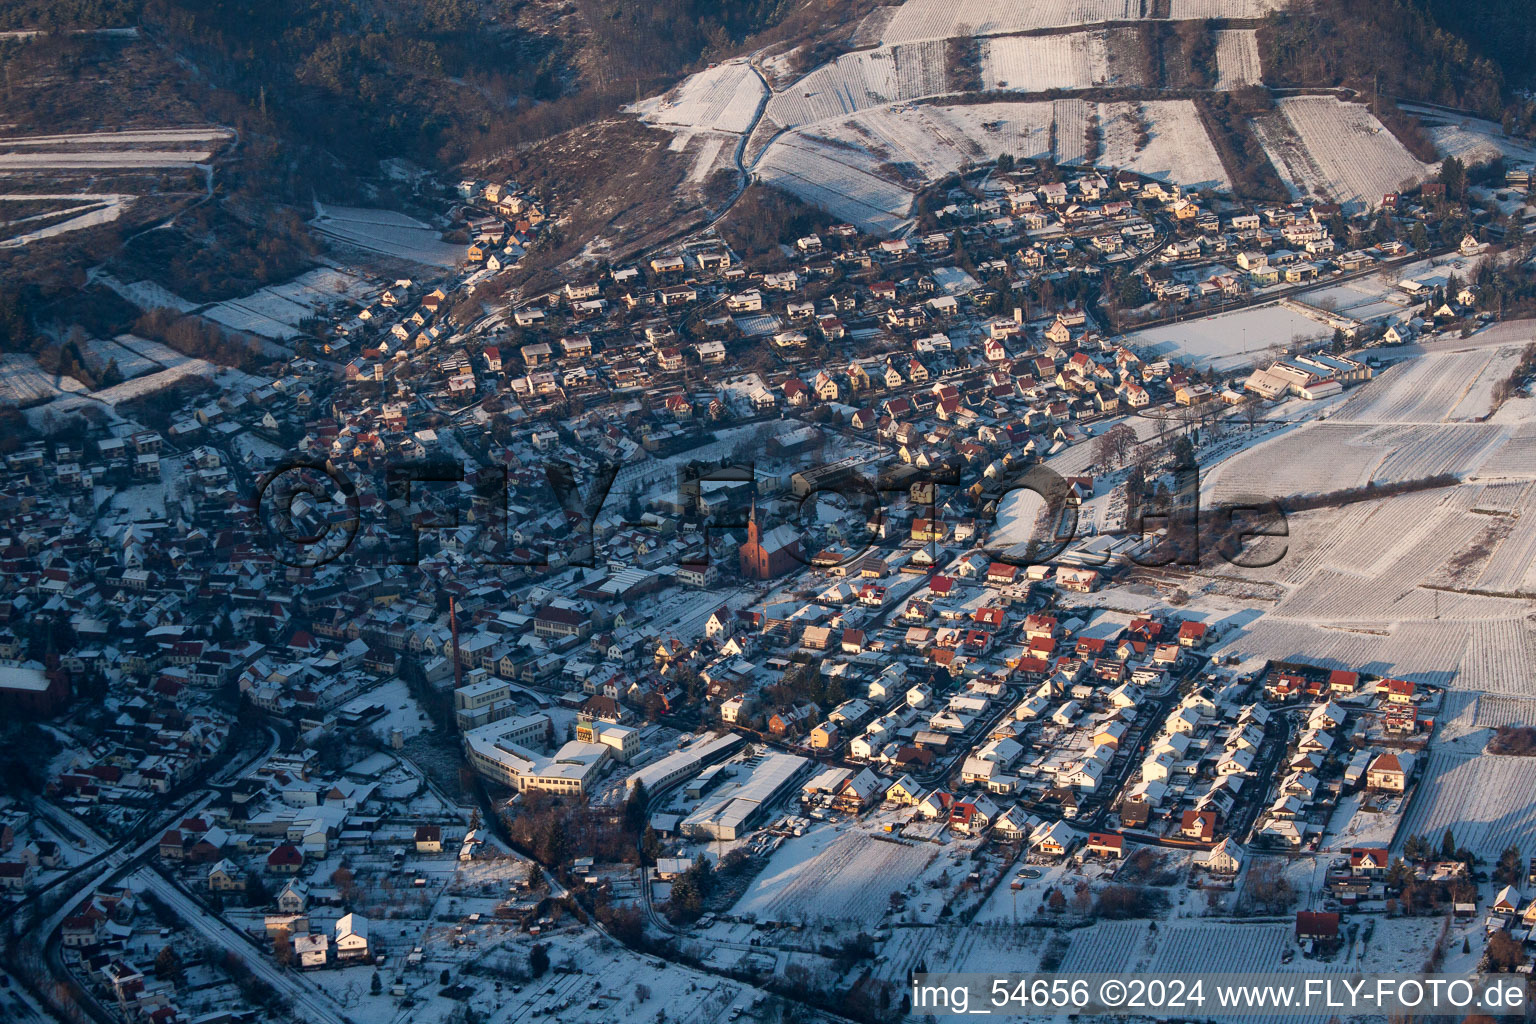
[(834, 876), (277, 310), (1107, 946), (841, 180), (386, 232), (23, 382), (1479, 798), (1443, 387), (1237, 58), (69, 212), (180, 147), (1077, 60), (942, 19), (1324, 147), (1515, 459), (986, 947), (860, 80), (100, 353), (1177, 147), (723, 98)]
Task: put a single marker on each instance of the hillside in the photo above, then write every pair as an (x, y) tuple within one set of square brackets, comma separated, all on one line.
[(850, 106)]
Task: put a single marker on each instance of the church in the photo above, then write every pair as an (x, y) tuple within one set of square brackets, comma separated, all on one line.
[(765, 556)]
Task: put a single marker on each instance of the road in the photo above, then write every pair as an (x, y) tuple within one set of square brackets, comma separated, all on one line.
[(309, 1002), (112, 859)]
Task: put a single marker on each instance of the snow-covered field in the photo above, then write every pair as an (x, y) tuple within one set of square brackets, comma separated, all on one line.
[(860, 80), (1237, 58), (942, 19), (130, 364), (104, 208), (1179, 149), (1226, 341), (276, 311), (1077, 60), (23, 382), (836, 179), (1322, 146), (1483, 799), (835, 876), (1439, 388), (851, 165), (722, 98), (386, 232)]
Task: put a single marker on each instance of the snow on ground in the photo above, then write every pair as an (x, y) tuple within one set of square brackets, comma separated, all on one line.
[(1482, 798), (143, 294), (80, 159), (722, 98), (860, 80), (135, 136), (1443, 387), (101, 353), (1471, 139), (850, 165), (276, 311), (1179, 149), (1227, 341), (23, 382), (152, 382), (1320, 145), (706, 157), (104, 209), (387, 232), (942, 19), (1237, 58), (835, 873), (840, 181), (1076, 60)]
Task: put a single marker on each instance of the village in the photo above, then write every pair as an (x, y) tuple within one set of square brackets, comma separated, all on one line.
[(691, 637)]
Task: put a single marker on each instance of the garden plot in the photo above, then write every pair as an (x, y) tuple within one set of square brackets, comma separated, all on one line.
[(834, 876), (1237, 58), (723, 98), (1227, 340), (1485, 800), (1322, 146), (1177, 150), (1076, 60), (388, 233)]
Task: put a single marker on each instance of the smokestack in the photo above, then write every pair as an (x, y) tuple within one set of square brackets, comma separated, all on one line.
[(453, 624)]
